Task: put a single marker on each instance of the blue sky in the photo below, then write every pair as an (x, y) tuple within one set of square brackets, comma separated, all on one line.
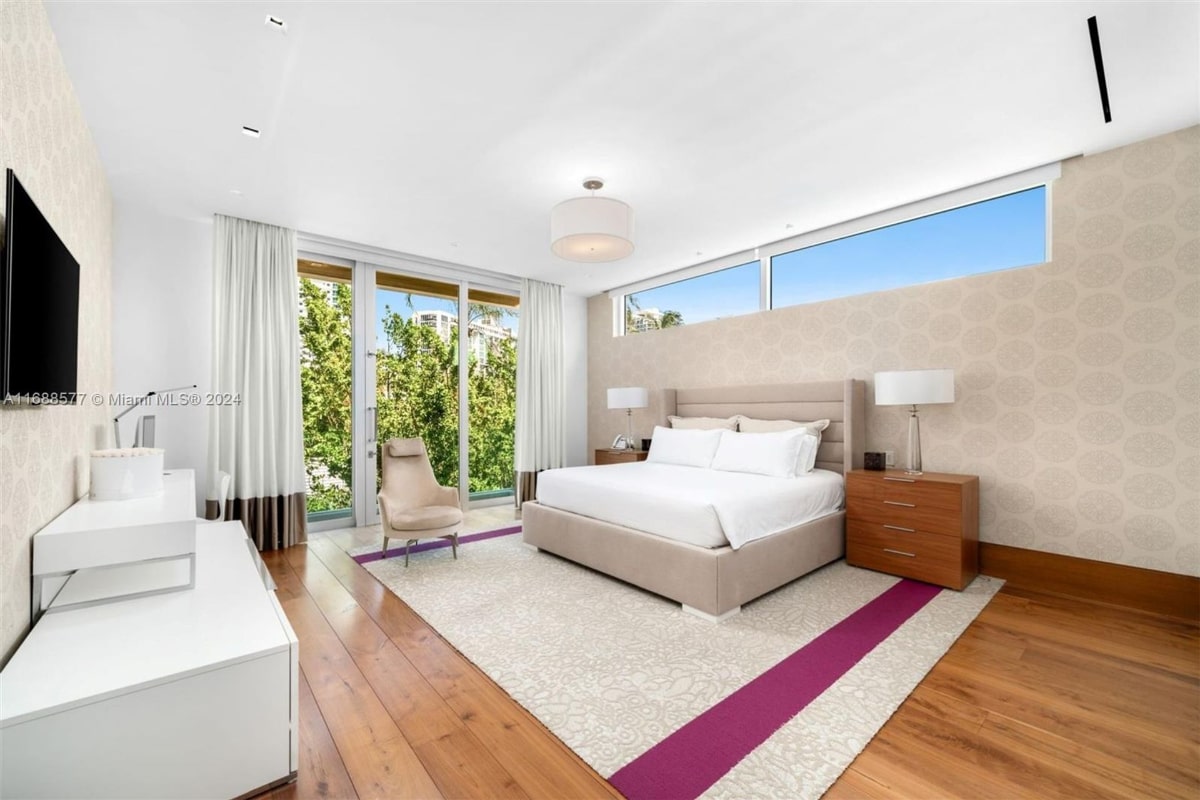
[(996, 234)]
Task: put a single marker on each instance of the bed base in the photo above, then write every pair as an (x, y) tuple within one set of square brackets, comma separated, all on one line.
[(695, 612), (712, 581)]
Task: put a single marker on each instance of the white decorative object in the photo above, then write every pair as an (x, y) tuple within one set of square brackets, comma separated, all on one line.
[(913, 388), (126, 473), (183, 695), (591, 229), (144, 535)]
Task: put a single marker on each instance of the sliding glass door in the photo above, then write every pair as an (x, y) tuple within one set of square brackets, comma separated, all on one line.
[(388, 353)]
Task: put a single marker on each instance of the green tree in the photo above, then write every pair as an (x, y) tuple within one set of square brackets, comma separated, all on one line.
[(633, 304), (416, 395), (416, 385), (671, 319), (325, 391)]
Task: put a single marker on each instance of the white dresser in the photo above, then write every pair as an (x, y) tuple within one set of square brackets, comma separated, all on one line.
[(186, 694)]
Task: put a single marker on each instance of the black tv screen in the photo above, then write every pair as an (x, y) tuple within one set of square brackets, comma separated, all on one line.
[(39, 306)]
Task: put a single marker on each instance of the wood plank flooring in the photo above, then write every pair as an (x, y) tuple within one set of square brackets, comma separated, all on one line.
[(1041, 697)]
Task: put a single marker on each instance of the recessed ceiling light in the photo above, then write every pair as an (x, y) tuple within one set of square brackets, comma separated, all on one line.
[(699, 253), (454, 244), (253, 133), (788, 227), (238, 192), (275, 23)]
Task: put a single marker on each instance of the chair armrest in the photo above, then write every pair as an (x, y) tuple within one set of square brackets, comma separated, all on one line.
[(447, 496), (383, 510)]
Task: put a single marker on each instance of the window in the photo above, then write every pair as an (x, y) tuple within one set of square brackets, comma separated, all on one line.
[(724, 293), (1000, 233), (996, 225)]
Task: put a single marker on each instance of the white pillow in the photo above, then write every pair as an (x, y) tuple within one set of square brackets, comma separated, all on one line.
[(703, 423), (776, 454), (688, 448), (808, 453), (751, 425)]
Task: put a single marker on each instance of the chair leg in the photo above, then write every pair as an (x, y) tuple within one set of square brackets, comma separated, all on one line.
[(454, 544), (385, 541), (410, 543)]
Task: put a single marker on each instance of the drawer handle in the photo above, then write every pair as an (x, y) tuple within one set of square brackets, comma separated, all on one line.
[(899, 552), (898, 503), (901, 480), (898, 528)]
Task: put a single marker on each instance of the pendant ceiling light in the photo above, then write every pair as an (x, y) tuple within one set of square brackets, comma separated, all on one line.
[(591, 228)]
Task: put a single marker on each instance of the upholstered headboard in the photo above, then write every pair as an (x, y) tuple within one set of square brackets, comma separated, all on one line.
[(843, 403)]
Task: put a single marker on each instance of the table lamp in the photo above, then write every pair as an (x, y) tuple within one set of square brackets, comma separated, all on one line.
[(912, 388), (628, 398)]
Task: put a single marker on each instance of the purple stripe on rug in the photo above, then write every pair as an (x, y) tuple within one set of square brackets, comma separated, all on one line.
[(689, 761), (435, 544)]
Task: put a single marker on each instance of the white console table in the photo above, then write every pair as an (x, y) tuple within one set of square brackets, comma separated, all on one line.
[(188, 694), (99, 550)]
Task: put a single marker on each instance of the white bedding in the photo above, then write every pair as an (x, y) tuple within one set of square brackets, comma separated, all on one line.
[(705, 507)]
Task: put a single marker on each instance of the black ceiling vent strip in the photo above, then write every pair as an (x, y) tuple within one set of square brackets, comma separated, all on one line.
[(1099, 59)]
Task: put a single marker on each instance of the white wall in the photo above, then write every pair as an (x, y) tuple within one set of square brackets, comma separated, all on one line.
[(575, 322), (162, 317)]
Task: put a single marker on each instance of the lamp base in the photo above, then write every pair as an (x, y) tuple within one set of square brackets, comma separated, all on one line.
[(914, 444)]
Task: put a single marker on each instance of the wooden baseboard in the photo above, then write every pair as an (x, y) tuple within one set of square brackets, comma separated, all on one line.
[(1115, 584)]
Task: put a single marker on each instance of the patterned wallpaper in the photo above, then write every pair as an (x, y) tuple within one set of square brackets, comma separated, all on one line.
[(1078, 380), (43, 137)]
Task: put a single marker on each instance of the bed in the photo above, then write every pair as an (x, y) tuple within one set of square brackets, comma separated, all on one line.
[(714, 582)]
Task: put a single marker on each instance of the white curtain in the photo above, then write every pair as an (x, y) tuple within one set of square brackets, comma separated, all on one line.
[(257, 437), (541, 436)]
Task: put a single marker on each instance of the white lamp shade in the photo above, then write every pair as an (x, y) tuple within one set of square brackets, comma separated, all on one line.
[(628, 397), (591, 229), (917, 387)]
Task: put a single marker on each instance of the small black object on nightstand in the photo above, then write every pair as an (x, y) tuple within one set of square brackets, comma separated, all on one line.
[(874, 461)]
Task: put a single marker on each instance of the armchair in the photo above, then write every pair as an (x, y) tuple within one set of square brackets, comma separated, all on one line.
[(411, 503)]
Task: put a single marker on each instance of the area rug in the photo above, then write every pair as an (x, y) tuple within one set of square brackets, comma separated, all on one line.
[(774, 702)]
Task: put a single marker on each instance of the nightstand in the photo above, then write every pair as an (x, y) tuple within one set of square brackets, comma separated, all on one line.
[(606, 456), (924, 527)]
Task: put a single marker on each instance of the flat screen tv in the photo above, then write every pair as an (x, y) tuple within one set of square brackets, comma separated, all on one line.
[(39, 307)]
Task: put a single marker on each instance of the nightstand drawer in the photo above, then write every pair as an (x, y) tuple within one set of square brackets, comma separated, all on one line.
[(922, 556), (896, 489), (915, 515), (619, 456)]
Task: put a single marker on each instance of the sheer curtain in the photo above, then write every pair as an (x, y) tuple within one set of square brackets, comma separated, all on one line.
[(541, 439), (257, 437)]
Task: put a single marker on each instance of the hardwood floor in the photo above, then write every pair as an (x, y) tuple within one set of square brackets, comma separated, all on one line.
[(1042, 696)]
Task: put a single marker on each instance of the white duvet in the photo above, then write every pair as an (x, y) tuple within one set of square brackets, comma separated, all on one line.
[(705, 507)]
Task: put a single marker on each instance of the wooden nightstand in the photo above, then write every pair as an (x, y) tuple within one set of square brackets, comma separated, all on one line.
[(606, 456), (924, 527)]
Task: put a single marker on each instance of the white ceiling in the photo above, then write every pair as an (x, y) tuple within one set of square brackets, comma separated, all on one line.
[(448, 129)]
